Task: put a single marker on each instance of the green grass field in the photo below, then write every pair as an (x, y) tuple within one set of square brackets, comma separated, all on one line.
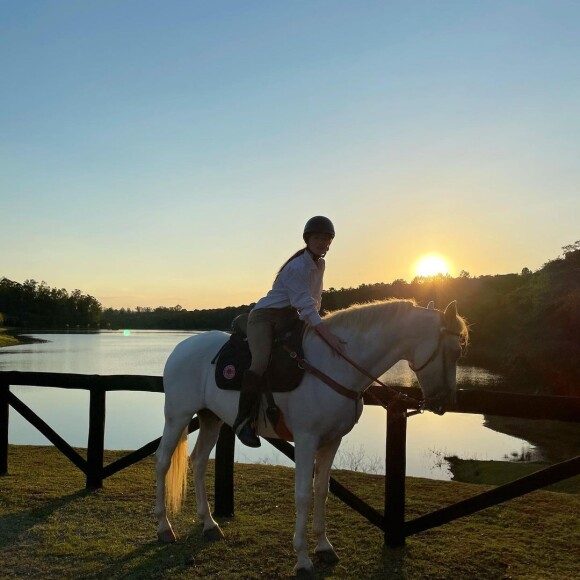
[(50, 527)]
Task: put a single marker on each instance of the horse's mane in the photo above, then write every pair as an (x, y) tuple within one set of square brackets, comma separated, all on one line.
[(361, 316)]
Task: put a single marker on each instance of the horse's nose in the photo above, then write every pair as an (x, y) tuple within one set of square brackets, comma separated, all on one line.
[(445, 402), (437, 406)]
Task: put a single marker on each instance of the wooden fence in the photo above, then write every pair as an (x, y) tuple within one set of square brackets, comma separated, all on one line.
[(391, 521)]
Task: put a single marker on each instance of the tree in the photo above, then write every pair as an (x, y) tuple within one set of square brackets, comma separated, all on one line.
[(571, 248), (31, 304)]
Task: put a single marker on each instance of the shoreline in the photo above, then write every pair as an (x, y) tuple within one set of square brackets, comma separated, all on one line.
[(486, 472), (8, 339)]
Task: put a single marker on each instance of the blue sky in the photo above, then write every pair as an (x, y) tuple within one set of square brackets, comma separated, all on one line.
[(169, 153)]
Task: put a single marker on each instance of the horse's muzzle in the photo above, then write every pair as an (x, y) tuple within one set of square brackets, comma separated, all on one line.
[(439, 404)]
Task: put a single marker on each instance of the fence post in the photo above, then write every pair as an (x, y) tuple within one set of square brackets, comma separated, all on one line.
[(96, 444), (395, 467), (4, 415), (224, 473)]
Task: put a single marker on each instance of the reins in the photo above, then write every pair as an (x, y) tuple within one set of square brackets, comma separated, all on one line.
[(322, 376), (394, 394)]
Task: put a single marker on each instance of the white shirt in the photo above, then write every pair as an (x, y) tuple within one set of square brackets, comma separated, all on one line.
[(298, 285)]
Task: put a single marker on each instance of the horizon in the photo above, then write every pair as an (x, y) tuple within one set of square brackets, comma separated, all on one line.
[(417, 279), (171, 154)]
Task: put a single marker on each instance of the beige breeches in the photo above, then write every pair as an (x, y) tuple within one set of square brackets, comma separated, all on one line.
[(262, 324)]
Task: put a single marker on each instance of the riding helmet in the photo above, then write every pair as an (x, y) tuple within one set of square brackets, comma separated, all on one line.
[(318, 225)]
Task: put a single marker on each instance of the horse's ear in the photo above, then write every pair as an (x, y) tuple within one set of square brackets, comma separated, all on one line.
[(431, 305), (450, 314)]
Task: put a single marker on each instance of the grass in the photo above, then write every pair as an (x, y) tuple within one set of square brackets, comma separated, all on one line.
[(500, 472), (6, 340), (50, 527)]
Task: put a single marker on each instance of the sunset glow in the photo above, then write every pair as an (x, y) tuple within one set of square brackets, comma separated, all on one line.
[(231, 146), (431, 265)]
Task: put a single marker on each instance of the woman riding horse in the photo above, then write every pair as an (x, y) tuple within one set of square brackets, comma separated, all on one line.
[(297, 290)]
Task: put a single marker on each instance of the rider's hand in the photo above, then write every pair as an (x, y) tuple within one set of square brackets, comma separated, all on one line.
[(335, 343)]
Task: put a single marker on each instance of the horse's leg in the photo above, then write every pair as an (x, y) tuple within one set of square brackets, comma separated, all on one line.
[(209, 430), (172, 435), (305, 449), (324, 459)]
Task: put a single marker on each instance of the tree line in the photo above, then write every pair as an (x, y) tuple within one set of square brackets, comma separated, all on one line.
[(525, 324), (36, 305)]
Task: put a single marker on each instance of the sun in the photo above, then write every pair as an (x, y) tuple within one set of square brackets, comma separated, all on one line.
[(431, 265)]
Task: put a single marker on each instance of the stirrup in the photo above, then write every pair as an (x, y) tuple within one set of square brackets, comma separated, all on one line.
[(247, 436)]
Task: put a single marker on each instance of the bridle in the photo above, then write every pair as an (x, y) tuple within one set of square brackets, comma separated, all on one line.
[(442, 331), (439, 399), (394, 394)]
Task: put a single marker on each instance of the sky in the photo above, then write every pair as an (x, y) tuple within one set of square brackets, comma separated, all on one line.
[(164, 153)]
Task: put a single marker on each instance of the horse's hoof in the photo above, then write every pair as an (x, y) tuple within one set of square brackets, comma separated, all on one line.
[(305, 570), (213, 534), (327, 556), (166, 537)]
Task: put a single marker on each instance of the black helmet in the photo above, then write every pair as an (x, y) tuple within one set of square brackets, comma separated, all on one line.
[(318, 225)]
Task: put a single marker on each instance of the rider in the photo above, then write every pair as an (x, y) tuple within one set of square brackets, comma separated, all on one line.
[(297, 289)]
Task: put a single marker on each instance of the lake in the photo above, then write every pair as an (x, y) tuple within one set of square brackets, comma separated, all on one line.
[(135, 418)]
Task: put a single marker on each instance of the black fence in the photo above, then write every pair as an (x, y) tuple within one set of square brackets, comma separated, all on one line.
[(391, 521)]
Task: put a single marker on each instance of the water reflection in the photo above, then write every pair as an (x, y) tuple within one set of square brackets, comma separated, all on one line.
[(135, 418)]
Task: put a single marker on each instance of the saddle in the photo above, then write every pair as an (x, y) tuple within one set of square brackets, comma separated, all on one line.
[(283, 373)]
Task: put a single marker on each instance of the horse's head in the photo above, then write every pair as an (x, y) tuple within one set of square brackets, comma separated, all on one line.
[(435, 356)]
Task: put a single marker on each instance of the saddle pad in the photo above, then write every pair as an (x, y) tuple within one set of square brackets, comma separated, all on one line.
[(231, 362), (283, 372)]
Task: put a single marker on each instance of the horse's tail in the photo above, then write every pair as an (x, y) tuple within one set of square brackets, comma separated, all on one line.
[(176, 478)]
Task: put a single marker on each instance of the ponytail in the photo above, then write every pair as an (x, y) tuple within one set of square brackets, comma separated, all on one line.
[(292, 257)]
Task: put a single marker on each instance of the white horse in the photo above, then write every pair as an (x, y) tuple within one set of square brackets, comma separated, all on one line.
[(377, 336)]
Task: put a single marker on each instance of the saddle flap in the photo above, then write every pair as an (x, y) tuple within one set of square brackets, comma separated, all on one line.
[(283, 373)]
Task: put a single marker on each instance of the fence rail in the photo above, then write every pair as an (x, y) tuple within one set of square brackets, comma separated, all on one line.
[(392, 521)]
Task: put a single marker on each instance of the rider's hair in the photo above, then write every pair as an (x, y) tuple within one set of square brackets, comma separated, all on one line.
[(292, 257)]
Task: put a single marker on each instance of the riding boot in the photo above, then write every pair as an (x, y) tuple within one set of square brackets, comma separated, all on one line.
[(248, 409)]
